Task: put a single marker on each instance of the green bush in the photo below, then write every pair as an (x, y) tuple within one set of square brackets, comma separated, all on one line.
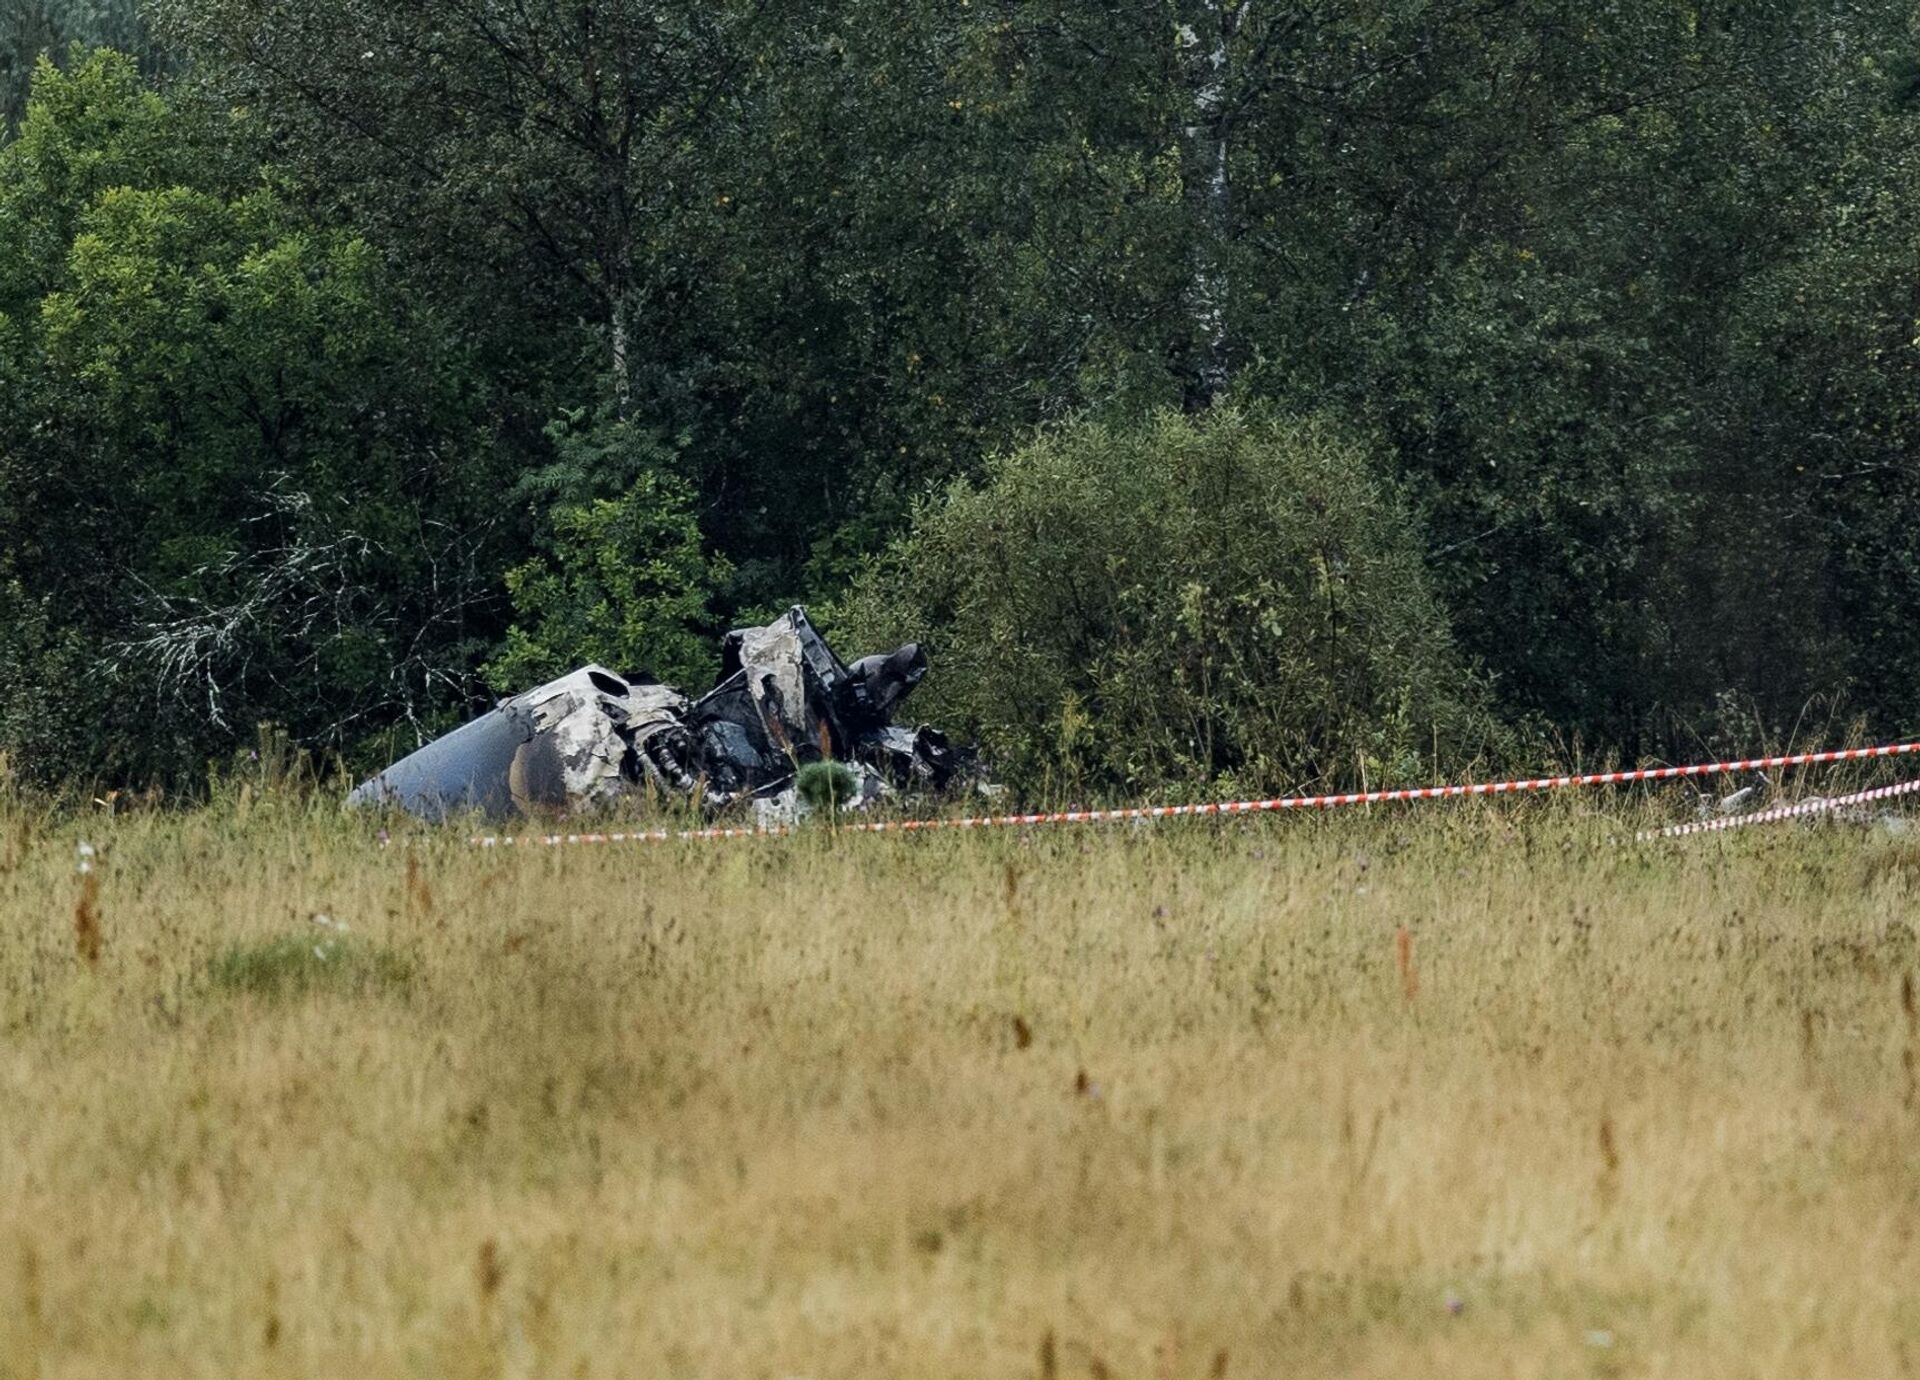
[(1230, 603), (826, 785)]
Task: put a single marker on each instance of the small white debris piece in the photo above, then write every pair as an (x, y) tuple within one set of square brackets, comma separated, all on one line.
[(1600, 1337), (869, 786), (1707, 805), (776, 811)]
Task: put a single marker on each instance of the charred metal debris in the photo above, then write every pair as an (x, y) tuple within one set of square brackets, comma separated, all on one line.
[(593, 738)]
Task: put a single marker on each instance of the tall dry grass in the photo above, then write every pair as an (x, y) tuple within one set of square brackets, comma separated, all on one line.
[(1462, 1092)]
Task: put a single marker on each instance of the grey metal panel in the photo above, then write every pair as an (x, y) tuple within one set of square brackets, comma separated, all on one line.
[(466, 769)]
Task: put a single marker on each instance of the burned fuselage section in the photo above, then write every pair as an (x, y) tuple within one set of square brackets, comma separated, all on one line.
[(593, 738)]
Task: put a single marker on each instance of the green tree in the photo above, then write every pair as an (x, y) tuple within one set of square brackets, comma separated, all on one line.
[(546, 144), (1814, 434), (34, 29), (239, 482), (622, 581)]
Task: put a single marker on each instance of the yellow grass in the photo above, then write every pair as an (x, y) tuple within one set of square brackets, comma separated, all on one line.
[(1155, 1103)]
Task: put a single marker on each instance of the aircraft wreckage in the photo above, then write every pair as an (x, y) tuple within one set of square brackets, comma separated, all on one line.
[(593, 738)]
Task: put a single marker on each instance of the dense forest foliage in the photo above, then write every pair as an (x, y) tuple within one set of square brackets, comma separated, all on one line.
[(1529, 376)]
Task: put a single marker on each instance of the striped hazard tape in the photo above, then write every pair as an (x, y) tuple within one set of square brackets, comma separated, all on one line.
[(1232, 807), (1817, 806)]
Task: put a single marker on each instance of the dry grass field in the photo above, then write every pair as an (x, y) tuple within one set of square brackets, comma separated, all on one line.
[(1468, 1091)]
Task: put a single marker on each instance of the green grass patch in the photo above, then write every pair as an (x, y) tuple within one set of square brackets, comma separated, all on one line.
[(294, 964)]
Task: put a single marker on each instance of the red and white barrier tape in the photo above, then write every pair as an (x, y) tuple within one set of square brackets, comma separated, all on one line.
[(1820, 805), (1234, 807)]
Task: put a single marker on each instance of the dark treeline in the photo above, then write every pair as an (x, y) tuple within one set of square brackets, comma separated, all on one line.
[(1552, 369)]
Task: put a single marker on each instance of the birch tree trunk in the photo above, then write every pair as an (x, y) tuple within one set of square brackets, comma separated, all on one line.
[(1205, 64), (609, 117), (616, 275)]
